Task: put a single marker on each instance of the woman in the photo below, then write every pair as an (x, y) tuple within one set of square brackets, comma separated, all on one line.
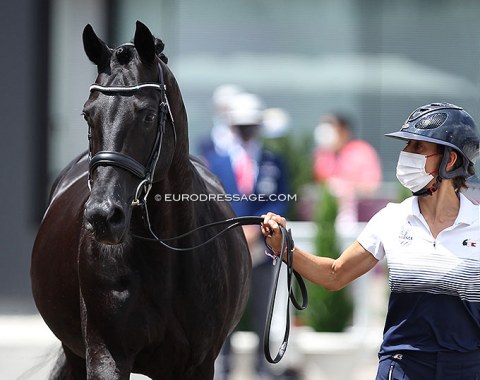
[(432, 245)]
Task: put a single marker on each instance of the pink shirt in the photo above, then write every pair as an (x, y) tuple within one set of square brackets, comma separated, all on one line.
[(354, 170)]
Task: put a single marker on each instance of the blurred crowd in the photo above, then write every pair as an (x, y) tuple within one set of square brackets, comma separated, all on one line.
[(249, 145)]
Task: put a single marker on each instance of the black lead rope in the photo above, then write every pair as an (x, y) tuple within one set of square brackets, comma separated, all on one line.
[(287, 249)]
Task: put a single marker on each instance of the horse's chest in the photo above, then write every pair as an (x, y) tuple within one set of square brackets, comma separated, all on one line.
[(108, 277)]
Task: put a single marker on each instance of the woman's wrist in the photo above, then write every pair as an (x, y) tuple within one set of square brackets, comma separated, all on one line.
[(278, 252), (275, 251)]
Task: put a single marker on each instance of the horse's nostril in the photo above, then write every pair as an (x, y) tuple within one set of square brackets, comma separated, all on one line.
[(117, 217), (90, 216), (101, 217)]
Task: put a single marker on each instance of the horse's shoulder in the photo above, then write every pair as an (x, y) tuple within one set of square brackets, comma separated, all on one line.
[(76, 170)]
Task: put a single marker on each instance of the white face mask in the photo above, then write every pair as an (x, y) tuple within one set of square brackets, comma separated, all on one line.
[(326, 136), (411, 171)]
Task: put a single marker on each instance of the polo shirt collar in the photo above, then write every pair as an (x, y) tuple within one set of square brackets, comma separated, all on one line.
[(468, 213)]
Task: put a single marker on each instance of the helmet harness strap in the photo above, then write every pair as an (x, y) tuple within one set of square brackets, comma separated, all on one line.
[(430, 189)]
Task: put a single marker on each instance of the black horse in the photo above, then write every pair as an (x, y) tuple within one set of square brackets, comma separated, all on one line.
[(118, 300)]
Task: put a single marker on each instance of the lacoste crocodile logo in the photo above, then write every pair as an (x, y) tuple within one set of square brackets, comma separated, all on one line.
[(469, 243)]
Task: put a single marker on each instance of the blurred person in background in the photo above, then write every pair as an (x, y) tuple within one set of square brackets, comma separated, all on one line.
[(248, 169), (349, 167), (431, 242), (276, 124), (221, 136)]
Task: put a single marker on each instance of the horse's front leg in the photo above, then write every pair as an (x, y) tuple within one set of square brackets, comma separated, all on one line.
[(109, 292), (106, 355)]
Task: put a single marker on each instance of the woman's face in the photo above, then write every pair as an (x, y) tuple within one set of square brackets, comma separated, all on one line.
[(430, 150), (247, 132)]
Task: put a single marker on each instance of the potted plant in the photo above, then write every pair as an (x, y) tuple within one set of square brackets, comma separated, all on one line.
[(327, 311)]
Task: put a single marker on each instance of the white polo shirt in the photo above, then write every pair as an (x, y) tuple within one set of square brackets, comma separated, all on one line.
[(435, 283)]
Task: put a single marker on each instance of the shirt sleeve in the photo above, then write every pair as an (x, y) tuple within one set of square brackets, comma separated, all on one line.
[(371, 236)]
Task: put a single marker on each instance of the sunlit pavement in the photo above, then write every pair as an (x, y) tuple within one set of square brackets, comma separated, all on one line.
[(28, 351)]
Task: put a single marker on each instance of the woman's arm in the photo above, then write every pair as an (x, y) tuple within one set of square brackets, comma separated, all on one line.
[(324, 271)]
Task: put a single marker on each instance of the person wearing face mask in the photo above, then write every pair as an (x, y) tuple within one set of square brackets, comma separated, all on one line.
[(336, 163), (255, 176), (220, 136), (431, 242)]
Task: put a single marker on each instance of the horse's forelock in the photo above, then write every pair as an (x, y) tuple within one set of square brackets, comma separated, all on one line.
[(124, 53)]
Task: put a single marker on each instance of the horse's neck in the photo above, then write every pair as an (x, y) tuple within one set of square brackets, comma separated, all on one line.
[(175, 217), (168, 212)]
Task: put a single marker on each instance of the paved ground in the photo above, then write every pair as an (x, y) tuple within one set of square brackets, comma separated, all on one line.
[(28, 351), (28, 348)]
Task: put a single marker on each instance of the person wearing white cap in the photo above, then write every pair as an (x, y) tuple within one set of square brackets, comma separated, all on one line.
[(276, 123), (221, 136), (251, 171)]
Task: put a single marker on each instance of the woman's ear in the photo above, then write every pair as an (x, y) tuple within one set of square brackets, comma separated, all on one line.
[(451, 160)]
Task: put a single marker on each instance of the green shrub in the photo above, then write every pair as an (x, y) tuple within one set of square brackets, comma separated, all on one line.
[(297, 156), (327, 311)]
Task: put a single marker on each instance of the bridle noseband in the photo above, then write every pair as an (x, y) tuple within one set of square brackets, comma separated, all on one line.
[(123, 161)]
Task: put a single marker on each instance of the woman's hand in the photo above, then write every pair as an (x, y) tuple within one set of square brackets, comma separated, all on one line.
[(271, 230)]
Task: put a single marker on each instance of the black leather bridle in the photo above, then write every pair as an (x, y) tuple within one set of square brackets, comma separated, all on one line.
[(109, 158)]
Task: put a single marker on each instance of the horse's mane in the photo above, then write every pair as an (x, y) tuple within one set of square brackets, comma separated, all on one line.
[(159, 46)]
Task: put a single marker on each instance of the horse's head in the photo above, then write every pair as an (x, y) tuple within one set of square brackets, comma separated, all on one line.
[(131, 131)]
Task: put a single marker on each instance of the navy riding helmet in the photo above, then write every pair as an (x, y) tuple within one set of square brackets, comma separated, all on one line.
[(445, 124)]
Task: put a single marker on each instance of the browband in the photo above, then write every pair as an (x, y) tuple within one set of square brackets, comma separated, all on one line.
[(109, 89)]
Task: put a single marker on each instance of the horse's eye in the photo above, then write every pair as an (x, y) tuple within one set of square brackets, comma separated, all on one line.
[(150, 118), (87, 117)]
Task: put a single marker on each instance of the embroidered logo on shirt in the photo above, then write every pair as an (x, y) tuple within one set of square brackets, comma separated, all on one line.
[(469, 243), (404, 236)]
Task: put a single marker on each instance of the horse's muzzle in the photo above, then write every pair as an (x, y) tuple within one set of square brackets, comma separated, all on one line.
[(106, 221)]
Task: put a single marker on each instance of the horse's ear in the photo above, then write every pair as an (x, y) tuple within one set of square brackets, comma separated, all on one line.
[(144, 43), (97, 51)]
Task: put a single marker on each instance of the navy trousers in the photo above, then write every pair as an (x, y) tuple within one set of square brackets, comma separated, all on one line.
[(413, 365)]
